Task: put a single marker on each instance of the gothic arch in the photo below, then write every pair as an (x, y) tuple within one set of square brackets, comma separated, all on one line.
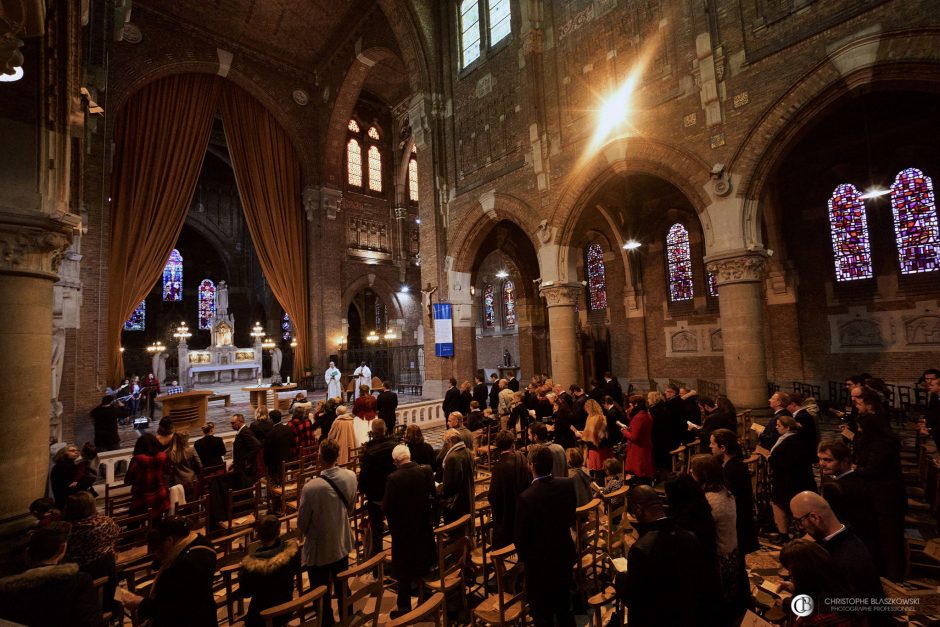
[(385, 291), (865, 63), (409, 20), (472, 232)]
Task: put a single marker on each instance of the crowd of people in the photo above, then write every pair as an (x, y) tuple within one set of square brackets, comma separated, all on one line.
[(553, 450)]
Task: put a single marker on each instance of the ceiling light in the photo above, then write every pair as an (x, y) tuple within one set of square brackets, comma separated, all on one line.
[(404, 289), (632, 245), (875, 192), (502, 274)]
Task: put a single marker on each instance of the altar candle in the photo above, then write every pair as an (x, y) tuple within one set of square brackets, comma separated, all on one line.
[(288, 380)]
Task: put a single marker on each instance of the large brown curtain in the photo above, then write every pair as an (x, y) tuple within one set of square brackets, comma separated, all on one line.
[(161, 136), (267, 173)]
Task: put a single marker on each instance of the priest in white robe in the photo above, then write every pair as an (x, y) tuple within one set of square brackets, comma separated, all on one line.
[(363, 376), (331, 376)]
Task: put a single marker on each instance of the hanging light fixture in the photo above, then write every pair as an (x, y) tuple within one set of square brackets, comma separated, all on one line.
[(156, 347), (182, 332), (257, 332), (372, 337), (267, 343), (293, 343)]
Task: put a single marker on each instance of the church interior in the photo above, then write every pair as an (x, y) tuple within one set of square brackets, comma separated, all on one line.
[(226, 198)]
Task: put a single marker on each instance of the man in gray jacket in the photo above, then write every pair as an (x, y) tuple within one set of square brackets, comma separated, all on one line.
[(323, 518)]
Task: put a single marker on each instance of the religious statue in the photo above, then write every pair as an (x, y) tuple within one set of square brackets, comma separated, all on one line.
[(158, 366), (331, 377), (507, 358), (276, 362), (223, 334), (221, 299), (426, 299)]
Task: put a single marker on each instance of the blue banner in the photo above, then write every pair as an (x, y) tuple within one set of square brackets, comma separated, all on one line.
[(443, 330)]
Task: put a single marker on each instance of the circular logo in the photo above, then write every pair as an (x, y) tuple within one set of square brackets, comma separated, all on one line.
[(802, 605)]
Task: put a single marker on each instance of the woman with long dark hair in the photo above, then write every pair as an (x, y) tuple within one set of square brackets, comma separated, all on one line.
[(147, 477)]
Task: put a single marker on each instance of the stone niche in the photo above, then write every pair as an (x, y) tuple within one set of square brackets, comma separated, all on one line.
[(900, 331), (693, 340)]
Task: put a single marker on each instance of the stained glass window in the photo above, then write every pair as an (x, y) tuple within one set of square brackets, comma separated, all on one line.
[(413, 179), (849, 227), (915, 222), (469, 31), (679, 260), (381, 316), (353, 126), (138, 319), (206, 304), (597, 282), (489, 307), (509, 305), (500, 23), (354, 163), (712, 282), (373, 132), (375, 169), (286, 331), (173, 277)]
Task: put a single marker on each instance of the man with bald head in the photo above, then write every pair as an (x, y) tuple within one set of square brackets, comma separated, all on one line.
[(848, 552), (663, 582)]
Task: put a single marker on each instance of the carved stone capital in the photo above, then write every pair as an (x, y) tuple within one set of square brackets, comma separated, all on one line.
[(34, 244), (564, 295), (748, 267)]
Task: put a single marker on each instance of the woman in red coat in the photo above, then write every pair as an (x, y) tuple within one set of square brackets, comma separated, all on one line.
[(147, 475), (640, 437), (364, 407)]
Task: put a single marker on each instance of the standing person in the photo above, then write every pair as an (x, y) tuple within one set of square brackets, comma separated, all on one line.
[(639, 436), (539, 439), (363, 376), (305, 436), (105, 417), (583, 483), (91, 541), (64, 474), (511, 382), (595, 437), (343, 432), (848, 494), (364, 406), (545, 514), (578, 399), (466, 396), (778, 402), (814, 573), (185, 464), (421, 451), (376, 465), (386, 404), (409, 498), (510, 477), (261, 424), (479, 390), (790, 473), (451, 398), (612, 388), (324, 416), (323, 519), (494, 393), (146, 475), (724, 445), (931, 421), (663, 434), (332, 377), (278, 447), (457, 484), (506, 399), (210, 447), (245, 449), (267, 575), (565, 434)]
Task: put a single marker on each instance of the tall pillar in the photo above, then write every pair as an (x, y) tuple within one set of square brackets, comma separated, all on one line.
[(739, 278), (31, 247), (562, 326)]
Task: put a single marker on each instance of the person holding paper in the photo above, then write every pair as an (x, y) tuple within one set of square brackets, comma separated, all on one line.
[(363, 376), (331, 377)]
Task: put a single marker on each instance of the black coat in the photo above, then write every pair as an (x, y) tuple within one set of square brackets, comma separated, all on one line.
[(422, 453), (465, 398), (614, 432), (853, 559), (511, 476), (717, 420), (106, 418), (790, 472), (769, 436), (451, 401), (545, 514), (211, 450), (385, 405), (563, 435), (267, 576), (50, 596), (663, 436), (183, 590), (245, 456), (850, 499), (480, 395), (578, 411), (494, 397), (409, 499), (678, 429), (376, 465), (457, 482), (278, 446), (513, 384), (738, 479), (261, 428), (324, 422), (809, 434), (613, 390)]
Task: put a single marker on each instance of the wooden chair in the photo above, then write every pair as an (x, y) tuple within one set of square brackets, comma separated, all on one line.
[(482, 541), (508, 605), (300, 608), (431, 611), (195, 511), (349, 616), (678, 457), (691, 449), (615, 521), (453, 550), (100, 584), (117, 500), (242, 507), (131, 543), (285, 495), (587, 539)]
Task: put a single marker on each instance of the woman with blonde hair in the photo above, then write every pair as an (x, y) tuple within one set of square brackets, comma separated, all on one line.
[(185, 463), (595, 436)]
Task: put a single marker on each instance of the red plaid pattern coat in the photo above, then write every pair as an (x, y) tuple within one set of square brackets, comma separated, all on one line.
[(304, 435), (147, 477)]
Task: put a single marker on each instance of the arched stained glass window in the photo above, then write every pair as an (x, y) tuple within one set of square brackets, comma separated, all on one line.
[(138, 319), (354, 163), (489, 307), (712, 281), (375, 169), (413, 179), (173, 277), (353, 126), (206, 304), (849, 227), (915, 222), (679, 261), (596, 278), (509, 305), (373, 133), (469, 32), (287, 332)]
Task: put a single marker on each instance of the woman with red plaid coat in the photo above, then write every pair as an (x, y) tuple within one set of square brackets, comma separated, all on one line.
[(304, 432), (147, 475)]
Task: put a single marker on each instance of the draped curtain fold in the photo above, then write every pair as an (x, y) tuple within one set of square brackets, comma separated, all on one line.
[(161, 138), (267, 173)]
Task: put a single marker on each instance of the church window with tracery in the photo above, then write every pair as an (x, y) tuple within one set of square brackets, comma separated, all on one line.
[(375, 169), (413, 178), (469, 32), (287, 333), (489, 307), (354, 163), (500, 20), (679, 263), (509, 305), (353, 126), (373, 133), (596, 278), (173, 277), (138, 319), (848, 224), (915, 222), (206, 304)]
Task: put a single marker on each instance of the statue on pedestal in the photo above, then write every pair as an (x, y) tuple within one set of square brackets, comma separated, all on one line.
[(507, 358)]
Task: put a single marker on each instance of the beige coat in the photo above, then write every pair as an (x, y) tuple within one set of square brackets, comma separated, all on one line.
[(344, 433)]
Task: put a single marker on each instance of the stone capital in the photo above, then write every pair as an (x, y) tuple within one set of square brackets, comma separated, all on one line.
[(33, 244), (562, 295), (741, 267)]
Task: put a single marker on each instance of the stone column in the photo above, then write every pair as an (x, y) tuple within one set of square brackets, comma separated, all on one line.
[(562, 326), (31, 247), (739, 277)]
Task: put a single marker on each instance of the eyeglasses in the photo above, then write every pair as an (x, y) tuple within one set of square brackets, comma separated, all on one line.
[(800, 519)]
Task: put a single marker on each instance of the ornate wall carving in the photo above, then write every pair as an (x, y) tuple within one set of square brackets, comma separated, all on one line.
[(561, 295), (905, 330), (693, 340), (746, 268)]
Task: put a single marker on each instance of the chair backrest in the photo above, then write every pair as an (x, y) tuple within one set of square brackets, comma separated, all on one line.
[(587, 527), (431, 611), (677, 455), (453, 545), (301, 607), (117, 500), (615, 506), (348, 599), (242, 502), (509, 581), (377, 383), (134, 530), (196, 511)]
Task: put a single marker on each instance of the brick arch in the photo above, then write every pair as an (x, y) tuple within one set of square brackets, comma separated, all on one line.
[(381, 287), (343, 106), (411, 22), (772, 137), (162, 67), (632, 155), (472, 232)]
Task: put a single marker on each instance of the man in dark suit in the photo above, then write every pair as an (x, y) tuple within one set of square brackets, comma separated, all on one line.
[(494, 393), (545, 514), (511, 475), (675, 409), (244, 453), (564, 421), (778, 403), (578, 398), (451, 398), (809, 433), (479, 390), (376, 466), (615, 414), (409, 496), (612, 388), (278, 445), (386, 404), (512, 382)]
